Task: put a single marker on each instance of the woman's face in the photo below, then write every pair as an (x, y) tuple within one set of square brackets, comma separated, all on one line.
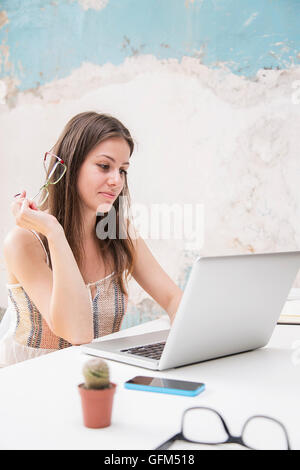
[(103, 174)]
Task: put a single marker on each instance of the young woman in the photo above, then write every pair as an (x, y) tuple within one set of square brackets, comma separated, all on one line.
[(66, 286)]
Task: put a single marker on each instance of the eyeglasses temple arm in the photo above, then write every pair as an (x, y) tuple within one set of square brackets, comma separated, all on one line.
[(42, 187), (167, 444), (53, 170)]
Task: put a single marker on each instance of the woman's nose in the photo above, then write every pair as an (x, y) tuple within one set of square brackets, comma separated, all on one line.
[(115, 178)]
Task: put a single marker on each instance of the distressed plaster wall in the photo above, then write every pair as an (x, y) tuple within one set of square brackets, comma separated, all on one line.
[(42, 39), (206, 88)]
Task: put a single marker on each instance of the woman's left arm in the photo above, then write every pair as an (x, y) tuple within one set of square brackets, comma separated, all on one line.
[(154, 280)]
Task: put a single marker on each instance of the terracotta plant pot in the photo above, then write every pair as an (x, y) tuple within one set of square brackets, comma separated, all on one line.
[(97, 405)]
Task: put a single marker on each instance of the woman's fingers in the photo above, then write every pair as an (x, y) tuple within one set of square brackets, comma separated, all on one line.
[(33, 205), (20, 209), (22, 213), (27, 203), (20, 195), (21, 203), (29, 216), (17, 201)]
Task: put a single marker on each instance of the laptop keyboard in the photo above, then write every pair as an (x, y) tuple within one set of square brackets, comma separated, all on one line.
[(154, 351)]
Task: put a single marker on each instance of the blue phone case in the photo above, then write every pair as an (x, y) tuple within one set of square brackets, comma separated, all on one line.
[(172, 391)]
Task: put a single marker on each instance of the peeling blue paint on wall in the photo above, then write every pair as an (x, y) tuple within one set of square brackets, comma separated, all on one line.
[(44, 40)]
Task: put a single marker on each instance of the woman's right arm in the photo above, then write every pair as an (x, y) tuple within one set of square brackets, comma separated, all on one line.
[(60, 295)]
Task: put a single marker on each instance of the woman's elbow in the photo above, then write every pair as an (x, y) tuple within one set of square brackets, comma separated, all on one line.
[(73, 339), (80, 341)]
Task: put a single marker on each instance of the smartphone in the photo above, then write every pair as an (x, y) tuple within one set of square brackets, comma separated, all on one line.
[(160, 385)]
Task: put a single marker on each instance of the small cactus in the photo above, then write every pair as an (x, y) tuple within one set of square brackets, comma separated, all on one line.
[(96, 374)]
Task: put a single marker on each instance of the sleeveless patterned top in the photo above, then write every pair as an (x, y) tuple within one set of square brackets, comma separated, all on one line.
[(108, 308)]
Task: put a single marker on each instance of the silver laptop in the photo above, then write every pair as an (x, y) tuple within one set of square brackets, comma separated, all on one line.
[(231, 304)]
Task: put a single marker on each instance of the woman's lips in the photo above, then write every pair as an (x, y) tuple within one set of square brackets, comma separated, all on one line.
[(109, 196)]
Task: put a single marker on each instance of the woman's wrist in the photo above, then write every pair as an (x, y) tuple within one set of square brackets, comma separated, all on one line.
[(54, 231)]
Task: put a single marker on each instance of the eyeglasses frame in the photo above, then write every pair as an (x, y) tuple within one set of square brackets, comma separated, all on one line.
[(231, 439), (51, 173)]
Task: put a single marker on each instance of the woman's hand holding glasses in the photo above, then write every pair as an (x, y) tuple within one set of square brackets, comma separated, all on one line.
[(28, 216), (27, 213)]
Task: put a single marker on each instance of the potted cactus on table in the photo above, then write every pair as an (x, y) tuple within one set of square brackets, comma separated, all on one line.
[(97, 394)]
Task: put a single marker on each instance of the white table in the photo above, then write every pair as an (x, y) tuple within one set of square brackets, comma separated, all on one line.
[(40, 405)]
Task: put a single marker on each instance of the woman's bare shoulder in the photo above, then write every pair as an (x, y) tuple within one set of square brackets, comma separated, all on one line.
[(19, 237), (20, 242)]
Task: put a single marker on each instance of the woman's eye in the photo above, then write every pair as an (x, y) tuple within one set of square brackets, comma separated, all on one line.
[(104, 167)]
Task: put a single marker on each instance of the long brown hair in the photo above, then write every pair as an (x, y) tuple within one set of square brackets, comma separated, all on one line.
[(80, 135)]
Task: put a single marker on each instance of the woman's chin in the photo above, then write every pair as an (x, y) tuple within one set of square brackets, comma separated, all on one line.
[(104, 207)]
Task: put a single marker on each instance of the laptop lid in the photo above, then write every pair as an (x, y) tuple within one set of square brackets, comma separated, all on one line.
[(230, 304)]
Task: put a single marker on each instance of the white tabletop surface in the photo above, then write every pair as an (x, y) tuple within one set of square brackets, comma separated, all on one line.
[(40, 405)]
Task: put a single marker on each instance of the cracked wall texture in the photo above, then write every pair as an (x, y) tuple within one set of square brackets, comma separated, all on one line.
[(47, 39)]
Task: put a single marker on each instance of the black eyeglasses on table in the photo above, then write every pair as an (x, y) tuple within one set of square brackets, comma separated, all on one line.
[(202, 425)]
